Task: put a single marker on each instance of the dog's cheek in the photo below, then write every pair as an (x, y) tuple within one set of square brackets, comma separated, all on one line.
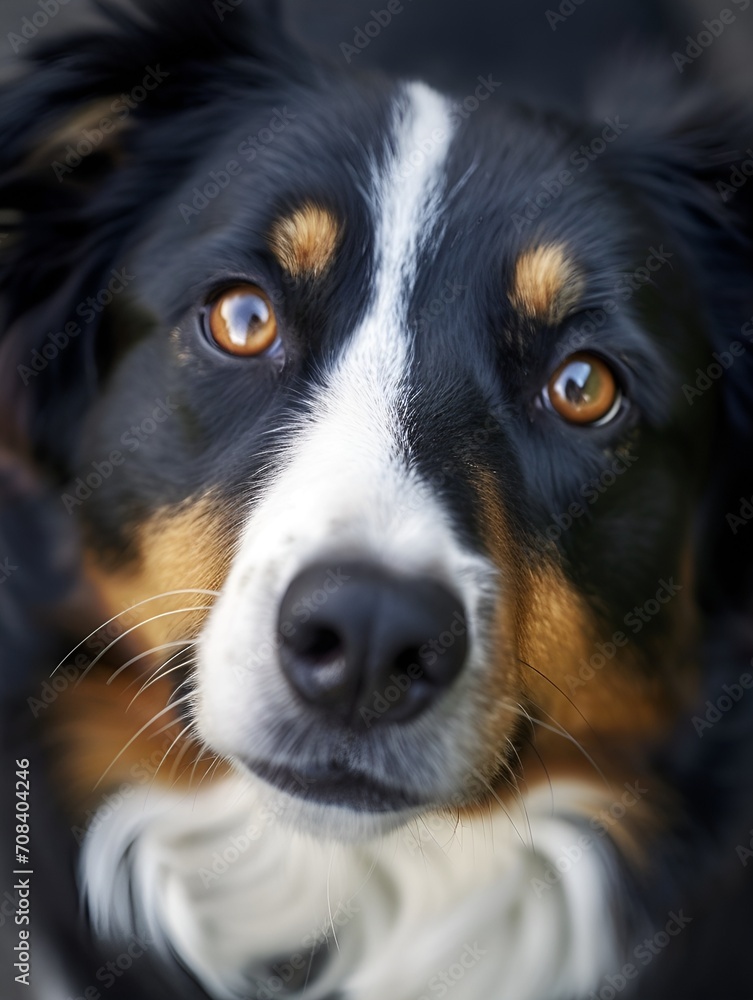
[(545, 632), (167, 589), (593, 738), (111, 733), (106, 741)]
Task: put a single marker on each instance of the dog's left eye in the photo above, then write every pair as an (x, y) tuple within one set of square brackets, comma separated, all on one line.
[(584, 390), (243, 322)]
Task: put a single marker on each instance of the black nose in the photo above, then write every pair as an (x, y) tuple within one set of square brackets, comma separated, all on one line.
[(365, 645)]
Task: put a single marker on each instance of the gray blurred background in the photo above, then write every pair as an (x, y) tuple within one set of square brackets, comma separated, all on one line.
[(451, 42)]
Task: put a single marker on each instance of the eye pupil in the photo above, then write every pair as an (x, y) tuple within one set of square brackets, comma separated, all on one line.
[(243, 316), (581, 383), (583, 390), (242, 322)]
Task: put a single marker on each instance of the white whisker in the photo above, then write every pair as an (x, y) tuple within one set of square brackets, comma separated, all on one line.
[(165, 755), (159, 677), (148, 652), (156, 597), (558, 730), (164, 614), (164, 711)]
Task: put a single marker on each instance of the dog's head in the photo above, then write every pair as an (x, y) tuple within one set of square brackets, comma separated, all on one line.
[(402, 410)]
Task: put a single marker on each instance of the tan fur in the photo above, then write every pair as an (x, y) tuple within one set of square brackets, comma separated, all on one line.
[(600, 732), (91, 723), (97, 747), (305, 242), (556, 631), (184, 549), (547, 284)]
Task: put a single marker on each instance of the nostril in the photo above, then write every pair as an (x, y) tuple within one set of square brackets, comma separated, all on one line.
[(408, 664), (314, 658), (318, 646)]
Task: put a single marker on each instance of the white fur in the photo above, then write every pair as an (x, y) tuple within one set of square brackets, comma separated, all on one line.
[(396, 912)]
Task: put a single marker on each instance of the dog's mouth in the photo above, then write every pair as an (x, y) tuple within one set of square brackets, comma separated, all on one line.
[(336, 785)]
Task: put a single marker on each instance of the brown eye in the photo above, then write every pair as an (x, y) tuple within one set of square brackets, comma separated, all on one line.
[(583, 390), (242, 321)]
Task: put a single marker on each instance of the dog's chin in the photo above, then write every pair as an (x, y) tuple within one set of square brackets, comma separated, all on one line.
[(336, 805)]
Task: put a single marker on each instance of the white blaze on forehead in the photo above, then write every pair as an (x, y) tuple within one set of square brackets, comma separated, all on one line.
[(367, 389), (407, 197)]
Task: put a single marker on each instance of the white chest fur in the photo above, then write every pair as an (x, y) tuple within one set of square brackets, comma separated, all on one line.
[(468, 910)]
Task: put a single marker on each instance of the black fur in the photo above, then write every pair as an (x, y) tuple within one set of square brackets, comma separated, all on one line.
[(478, 365)]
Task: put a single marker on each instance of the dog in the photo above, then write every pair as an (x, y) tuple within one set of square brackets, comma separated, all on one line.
[(400, 444)]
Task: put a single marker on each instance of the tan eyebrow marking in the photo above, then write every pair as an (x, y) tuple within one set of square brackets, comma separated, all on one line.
[(305, 242), (547, 283)]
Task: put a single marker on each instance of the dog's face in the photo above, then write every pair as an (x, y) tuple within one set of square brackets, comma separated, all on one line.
[(392, 414)]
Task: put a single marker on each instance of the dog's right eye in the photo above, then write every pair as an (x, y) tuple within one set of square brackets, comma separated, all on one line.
[(584, 390), (242, 321)]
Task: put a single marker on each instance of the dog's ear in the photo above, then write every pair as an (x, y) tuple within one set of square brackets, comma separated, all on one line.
[(94, 137), (686, 156)]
